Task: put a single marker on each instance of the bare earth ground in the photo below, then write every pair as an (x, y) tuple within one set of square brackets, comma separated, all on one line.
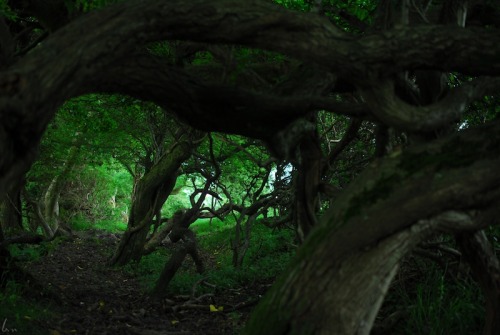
[(98, 299)]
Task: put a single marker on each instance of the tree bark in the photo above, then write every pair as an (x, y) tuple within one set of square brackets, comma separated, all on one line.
[(189, 246), (241, 242), (307, 185), (485, 266), (380, 207), (63, 67), (340, 275), (11, 212), (151, 193), (169, 271), (50, 199)]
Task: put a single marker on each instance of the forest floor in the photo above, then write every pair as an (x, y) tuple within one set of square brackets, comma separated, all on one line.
[(86, 296)]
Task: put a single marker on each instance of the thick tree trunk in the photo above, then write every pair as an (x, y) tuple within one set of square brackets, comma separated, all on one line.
[(11, 212), (158, 237), (340, 297), (307, 185), (51, 203), (47, 230), (386, 201), (151, 193), (241, 241), (485, 266), (340, 275), (147, 201), (169, 271), (63, 67), (49, 211), (189, 246)]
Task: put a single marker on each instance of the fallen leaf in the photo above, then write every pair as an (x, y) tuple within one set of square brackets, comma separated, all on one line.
[(216, 309)]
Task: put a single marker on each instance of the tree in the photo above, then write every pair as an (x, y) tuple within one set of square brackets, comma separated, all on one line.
[(72, 143), (11, 209), (408, 68), (151, 147), (151, 192)]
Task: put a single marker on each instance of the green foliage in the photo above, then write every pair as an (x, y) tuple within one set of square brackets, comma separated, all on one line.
[(269, 249), (96, 186), (482, 111), (19, 315), (97, 195), (361, 9), (149, 268), (294, 4), (33, 252), (111, 225), (79, 222), (203, 58), (163, 49), (179, 198), (214, 230), (437, 304), (105, 191), (493, 233), (118, 137), (27, 252), (89, 5), (6, 11), (442, 308), (239, 173), (184, 281), (269, 253)]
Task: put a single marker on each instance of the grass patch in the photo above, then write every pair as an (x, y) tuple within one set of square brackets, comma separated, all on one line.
[(215, 226), (110, 225), (25, 252), (33, 252), (80, 223), (445, 308), (437, 304), (269, 253), (149, 268), (19, 315)]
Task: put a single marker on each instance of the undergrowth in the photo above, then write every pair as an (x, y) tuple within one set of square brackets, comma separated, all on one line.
[(269, 253), (19, 315), (434, 301), (33, 252), (431, 299), (79, 223)]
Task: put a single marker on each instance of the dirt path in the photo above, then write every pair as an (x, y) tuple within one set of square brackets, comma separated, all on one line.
[(97, 299)]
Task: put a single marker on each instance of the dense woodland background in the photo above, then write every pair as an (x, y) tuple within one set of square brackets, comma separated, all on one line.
[(256, 167)]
